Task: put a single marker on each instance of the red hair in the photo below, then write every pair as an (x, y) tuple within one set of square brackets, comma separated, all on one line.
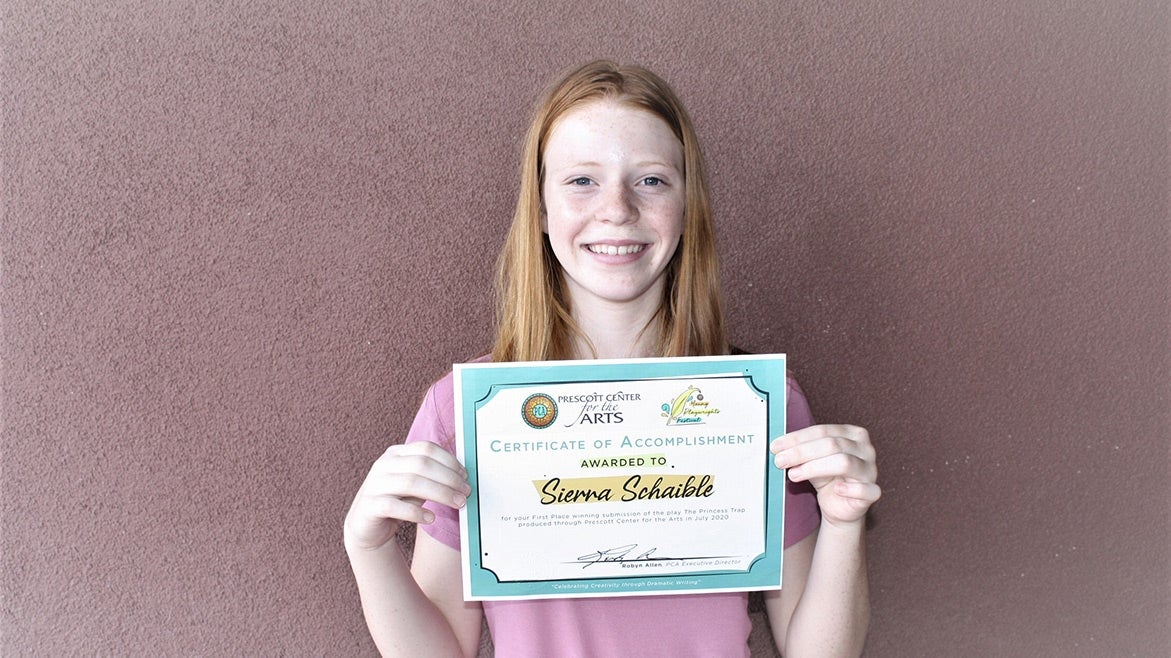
[(533, 317)]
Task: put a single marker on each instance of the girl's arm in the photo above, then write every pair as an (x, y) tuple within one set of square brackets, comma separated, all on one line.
[(824, 607), (416, 611)]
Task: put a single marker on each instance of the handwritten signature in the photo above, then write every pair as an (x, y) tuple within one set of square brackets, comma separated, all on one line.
[(617, 554)]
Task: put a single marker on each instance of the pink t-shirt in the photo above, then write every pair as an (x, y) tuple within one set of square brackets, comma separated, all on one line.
[(674, 625)]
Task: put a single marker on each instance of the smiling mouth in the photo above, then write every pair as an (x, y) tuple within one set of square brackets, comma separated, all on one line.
[(613, 250)]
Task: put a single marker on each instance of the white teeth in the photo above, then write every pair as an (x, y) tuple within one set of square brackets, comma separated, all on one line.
[(612, 250)]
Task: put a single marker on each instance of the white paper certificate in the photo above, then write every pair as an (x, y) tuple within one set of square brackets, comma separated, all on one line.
[(609, 478)]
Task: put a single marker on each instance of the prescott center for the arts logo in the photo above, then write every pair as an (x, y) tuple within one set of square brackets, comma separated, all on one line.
[(539, 411)]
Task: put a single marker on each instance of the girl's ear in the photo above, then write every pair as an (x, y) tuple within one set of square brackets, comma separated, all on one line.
[(544, 220)]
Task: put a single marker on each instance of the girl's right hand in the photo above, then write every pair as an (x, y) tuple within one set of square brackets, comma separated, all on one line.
[(402, 479)]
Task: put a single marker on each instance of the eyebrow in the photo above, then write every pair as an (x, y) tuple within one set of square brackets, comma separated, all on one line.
[(589, 163), (641, 163), (653, 163)]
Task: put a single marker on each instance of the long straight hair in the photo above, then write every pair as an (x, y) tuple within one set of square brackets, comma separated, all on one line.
[(533, 320)]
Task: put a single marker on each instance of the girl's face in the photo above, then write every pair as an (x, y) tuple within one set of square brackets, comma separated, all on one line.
[(613, 201)]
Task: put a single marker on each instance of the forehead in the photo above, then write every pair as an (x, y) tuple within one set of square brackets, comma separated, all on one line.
[(610, 125)]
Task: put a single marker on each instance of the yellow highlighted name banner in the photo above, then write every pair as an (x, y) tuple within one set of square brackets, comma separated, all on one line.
[(623, 488)]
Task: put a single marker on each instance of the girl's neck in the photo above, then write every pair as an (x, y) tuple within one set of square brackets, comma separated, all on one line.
[(617, 330)]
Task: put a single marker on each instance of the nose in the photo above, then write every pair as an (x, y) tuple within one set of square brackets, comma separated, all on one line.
[(617, 206)]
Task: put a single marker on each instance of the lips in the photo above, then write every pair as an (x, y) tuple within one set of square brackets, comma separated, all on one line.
[(615, 250)]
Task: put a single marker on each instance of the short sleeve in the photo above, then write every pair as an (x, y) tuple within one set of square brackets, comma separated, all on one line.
[(434, 423), (801, 513)]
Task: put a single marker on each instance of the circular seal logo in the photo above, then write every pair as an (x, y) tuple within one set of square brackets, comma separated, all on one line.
[(539, 411)]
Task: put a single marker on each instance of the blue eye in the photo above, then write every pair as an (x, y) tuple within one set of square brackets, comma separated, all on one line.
[(580, 180), (652, 181)]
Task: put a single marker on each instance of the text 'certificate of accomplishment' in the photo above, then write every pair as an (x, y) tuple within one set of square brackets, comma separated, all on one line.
[(621, 477)]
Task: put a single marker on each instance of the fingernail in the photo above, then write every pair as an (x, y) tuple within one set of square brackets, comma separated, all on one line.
[(428, 517), (459, 501)]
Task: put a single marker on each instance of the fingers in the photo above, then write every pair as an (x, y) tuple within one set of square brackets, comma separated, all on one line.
[(845, 503), (792, 440), (418, 472), (423, 449), (827, 451), (398, 485), (862, 494), (402, 509)]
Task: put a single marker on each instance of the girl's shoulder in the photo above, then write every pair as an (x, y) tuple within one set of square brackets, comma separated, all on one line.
[(440, 399)]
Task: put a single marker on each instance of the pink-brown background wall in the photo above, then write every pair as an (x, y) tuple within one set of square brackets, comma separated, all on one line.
[(239, 241)]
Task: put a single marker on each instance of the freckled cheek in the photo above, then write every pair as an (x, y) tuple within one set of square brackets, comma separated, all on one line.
[(568, 225), (668, 218), (573, 207), (562, 225)]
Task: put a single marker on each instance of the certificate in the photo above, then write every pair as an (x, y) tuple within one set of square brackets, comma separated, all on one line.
[(621, 477)]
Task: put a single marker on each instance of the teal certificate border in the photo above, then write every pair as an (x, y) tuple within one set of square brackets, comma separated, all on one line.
[(477, 383)]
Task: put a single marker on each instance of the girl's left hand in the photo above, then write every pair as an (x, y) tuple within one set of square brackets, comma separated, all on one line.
[(838, 460)]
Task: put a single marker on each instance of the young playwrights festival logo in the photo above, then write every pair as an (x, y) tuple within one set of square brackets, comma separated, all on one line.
[(688, 408)]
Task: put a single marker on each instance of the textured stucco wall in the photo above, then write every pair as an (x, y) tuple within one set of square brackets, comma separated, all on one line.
[(238, 242)]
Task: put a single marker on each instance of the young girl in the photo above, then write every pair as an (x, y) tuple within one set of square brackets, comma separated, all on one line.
[(610, 254)]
